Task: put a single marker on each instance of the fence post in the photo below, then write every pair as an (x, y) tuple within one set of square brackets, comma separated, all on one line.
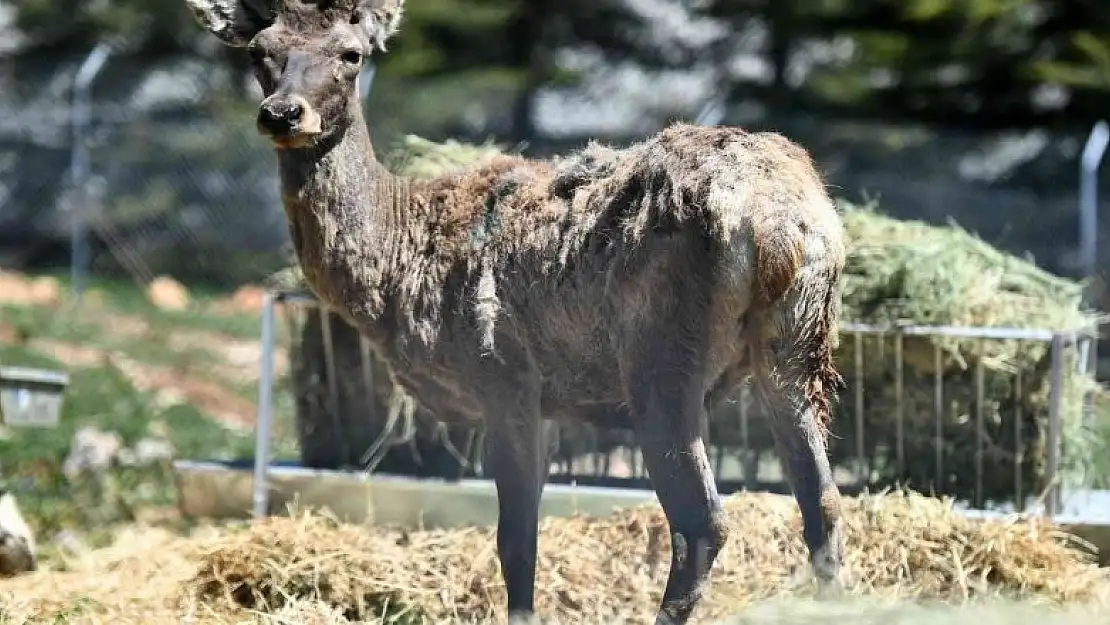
[(1091, 160), (80, 117), (260, 488), (1055, 404), (899, 405)]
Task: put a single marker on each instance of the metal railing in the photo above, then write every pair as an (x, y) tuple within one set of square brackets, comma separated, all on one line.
[(1057, 341), (867, 445)]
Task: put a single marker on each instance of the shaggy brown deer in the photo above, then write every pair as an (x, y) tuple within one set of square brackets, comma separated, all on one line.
[(639, 284)]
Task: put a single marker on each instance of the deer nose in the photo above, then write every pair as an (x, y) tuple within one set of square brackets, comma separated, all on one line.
[(281, 116)]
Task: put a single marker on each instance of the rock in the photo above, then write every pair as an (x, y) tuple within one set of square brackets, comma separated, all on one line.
[(21, 290), (17, 541), (248, 298), (91, 451), (96, 451), (167, 294), (150, 451)]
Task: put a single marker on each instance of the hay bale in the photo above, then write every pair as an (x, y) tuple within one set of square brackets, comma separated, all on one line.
[(592, 570), (911, 272), (305, 613), (897, 271), (422, 159)]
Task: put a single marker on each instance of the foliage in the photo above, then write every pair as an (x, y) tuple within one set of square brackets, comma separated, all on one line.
[(67, 26), (975, 62), (982, 62)]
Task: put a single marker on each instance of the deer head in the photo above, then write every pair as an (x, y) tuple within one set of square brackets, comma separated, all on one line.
[(306, 54)]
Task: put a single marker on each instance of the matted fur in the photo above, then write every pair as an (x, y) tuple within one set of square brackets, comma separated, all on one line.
[(596, 206)]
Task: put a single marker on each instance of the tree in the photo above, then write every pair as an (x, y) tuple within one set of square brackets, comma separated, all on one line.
[(985, 63)]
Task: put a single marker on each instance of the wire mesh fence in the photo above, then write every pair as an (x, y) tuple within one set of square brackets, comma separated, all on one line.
[(153, 173), (991, 416)]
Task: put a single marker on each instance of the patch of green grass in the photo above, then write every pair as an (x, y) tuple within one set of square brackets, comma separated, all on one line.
[(238, 326), (18, 356), (85, 330), (1101, 435), (103, 397), (127, 297), (60, 325)]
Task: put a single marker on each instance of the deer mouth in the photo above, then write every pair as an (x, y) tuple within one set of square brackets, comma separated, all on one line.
[(294, 141)]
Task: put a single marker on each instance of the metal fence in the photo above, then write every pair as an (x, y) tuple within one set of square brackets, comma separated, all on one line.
[(991, 416), (149, 171)]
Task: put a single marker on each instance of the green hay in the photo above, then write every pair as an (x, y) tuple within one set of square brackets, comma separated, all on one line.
[(897, 272), (909, 272), (422, 159), (912, 272)]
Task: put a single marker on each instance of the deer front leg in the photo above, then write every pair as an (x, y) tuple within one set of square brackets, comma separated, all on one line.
[(518, 459), (792, 386), (668, 407)]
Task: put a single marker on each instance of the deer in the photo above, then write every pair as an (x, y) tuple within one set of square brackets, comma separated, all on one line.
[(637, 284)]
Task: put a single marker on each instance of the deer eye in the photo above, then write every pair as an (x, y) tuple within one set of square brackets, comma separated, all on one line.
[(351, 57)]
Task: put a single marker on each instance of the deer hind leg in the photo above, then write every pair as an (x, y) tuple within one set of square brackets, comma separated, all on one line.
[(794, 380), (666, 396), (517, 455)]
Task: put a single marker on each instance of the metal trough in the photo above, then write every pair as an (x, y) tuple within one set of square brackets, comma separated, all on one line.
[(31, 397), (223, 490)]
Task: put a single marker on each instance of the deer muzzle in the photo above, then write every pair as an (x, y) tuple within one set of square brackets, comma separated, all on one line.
[(288, 120)]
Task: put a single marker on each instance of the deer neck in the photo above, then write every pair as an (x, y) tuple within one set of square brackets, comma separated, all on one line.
[(343, 209)]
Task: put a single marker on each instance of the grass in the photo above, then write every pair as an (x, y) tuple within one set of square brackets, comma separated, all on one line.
[(103, 397), (123, 355), (126, 296)]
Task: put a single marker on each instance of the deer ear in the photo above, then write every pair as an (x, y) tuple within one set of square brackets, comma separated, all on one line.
[(378, 20), (234, 22)]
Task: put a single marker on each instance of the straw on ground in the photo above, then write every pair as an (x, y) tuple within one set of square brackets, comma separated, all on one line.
[(590, 570)]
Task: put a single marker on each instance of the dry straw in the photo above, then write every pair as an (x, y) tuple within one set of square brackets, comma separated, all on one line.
[(596, 570), (309, 569)]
